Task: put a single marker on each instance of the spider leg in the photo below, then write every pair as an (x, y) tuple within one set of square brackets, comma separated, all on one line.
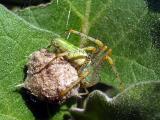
[(86, 92), (82, 76), (96, 41), (108, 58), (50, 62), (110, 61), (90, 49), (102, 48)]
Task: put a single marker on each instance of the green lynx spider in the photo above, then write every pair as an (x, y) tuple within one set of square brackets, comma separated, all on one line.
[(78, 56)]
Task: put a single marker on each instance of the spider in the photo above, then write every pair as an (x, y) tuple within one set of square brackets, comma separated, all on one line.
[(80, 58)]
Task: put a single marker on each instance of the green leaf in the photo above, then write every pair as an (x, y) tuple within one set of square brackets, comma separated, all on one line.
[(139, 102), (126, 26), (18, 39)]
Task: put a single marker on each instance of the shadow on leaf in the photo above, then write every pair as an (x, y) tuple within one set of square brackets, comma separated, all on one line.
[(155, 33), (153, 5), (40, 109)]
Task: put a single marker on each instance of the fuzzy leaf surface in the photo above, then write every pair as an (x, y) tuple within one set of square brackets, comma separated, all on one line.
[(139, 102), (128, 27), (18, 39)]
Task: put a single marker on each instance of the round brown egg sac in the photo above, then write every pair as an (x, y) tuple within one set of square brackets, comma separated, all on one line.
[(47, 82)]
